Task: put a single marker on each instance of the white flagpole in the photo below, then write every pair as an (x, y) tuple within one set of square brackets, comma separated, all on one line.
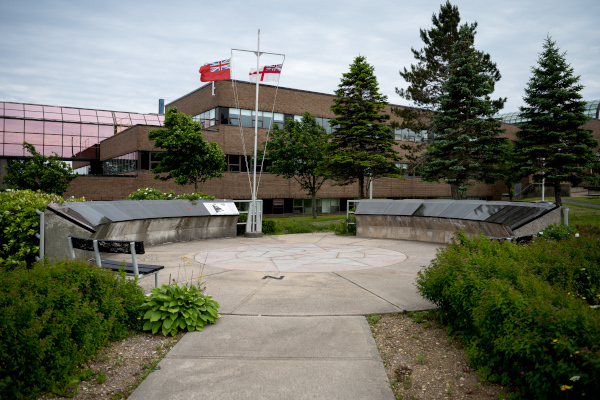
[(254, 228)]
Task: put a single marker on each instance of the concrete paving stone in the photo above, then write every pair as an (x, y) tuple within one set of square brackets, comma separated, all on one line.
[(394, 286), (313, 294), (226, 379), (279, 337)]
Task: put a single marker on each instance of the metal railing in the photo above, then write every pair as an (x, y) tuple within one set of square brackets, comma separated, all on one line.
[(350, 210), (259, 204)]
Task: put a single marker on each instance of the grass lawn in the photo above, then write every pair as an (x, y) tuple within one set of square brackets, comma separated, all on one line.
[(589, 200), (583, 215), (306, 224)]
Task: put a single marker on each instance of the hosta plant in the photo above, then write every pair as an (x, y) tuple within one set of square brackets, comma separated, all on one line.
[(172, 308)]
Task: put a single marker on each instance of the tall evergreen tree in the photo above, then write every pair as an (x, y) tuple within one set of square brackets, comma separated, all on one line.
[(426, 78), (467, 146), (361, 146), (551, 143)]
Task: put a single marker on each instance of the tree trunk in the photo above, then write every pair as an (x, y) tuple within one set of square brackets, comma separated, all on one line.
[(361, 187), (314, 205), (557, 197), (454, 192)]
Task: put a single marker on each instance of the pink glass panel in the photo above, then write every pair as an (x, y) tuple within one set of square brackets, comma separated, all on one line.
[(87, 112), (14, 113), (13, 150), (121, 128), (48, 150), (52, 140), (71, 141), (13, 106), (151, 119), (34, 126), (105, 120), (71, 117), (49, 109), (120, 115), (48, 115), (53, 127), (34, 114), (89, 118), (71, 129), (12, 137), (89, 141), (104, 113), (89, 130), (1, 125), (14, 125), (33, 107), (105, 131), (66, 110), (34, 138), (1, 110)]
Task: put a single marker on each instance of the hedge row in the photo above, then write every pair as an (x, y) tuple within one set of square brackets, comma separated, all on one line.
[(54, 317), (527, 313), (19, 223)]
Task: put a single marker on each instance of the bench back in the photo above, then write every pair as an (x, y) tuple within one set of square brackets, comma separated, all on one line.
[(107, 246)]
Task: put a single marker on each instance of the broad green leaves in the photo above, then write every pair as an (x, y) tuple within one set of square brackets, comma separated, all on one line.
[(172, 308)]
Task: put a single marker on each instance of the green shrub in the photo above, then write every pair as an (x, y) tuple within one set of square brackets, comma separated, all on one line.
[(155, 194), (347, 227), (19, 223), (171, 308), (516, 309), (557, 232), (269, 226), (55, 316)]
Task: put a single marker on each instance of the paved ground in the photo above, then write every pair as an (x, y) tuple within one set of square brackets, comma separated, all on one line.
[(292, 309)]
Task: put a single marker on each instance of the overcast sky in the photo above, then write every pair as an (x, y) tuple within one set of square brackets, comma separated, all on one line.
[(125, 55)]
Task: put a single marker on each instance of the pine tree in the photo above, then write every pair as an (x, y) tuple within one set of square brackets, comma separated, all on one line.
[(361, 146), (551, 143), (467, 146)]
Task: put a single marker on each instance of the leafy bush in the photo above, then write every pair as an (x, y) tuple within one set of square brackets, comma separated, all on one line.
[(557, 232), (516, 309), (156, 194), (173, 307), (55, 316), (269, 226), (347, 227), (19, 223)]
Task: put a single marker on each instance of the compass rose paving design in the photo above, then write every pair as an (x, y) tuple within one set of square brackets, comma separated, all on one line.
[(306, 257)]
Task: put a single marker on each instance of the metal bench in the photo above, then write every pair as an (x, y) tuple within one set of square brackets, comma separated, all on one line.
[(116, 246)]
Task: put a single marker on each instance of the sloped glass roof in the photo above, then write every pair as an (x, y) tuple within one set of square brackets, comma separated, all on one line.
[(592, 111)]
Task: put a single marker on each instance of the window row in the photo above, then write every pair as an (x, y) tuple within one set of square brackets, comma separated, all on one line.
[(55, 128), (121, 164), (20, 110)]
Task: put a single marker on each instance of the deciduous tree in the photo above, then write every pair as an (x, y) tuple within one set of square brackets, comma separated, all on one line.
[(39, 172), (467, 146), (551, 143), (361, 146), (188, 158), (298, 151)]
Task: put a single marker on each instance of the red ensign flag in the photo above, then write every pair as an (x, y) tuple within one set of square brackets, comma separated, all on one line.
[(216, 71)]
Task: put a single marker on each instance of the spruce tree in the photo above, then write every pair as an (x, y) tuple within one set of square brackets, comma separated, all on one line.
[(426, 78), (361, 146), (467, 146), (551, 143)]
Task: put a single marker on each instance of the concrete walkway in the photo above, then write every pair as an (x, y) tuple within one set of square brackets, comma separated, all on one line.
[(289, 330)]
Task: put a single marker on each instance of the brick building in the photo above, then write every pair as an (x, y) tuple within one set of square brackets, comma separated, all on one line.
[(114, 156)]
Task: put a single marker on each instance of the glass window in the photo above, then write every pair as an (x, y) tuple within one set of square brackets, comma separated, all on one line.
[(71, 117), (34, 126), (71, 129), (89, 118), (52, 127), (71, 141), (34, 114), (13, 137), (55, 116), (13, 106), (14, 125), (89, 130), (246, 118), (34, 138), (48, 150), (278, 118), (73, 111), (52, 140), (87, 112), (105, 131), (105, 120), (14, 113), (54, 110), (13, 150), (32, 107), (151, 119)]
